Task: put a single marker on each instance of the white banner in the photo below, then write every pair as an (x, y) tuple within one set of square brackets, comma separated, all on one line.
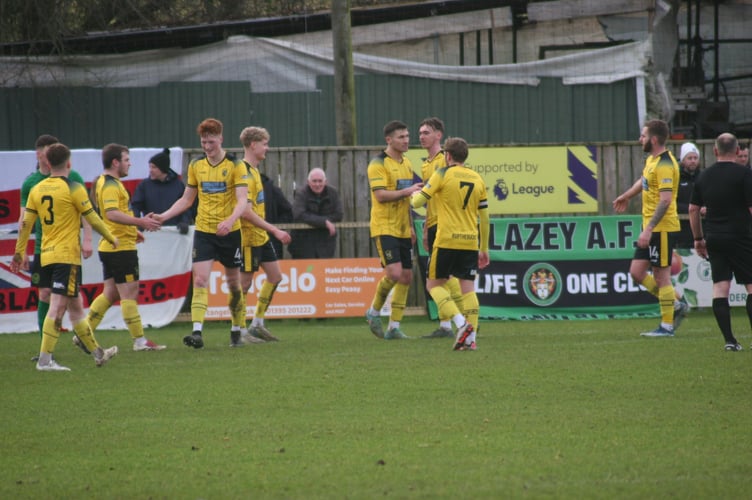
[(696, 283), (17, 165), (165, 271)]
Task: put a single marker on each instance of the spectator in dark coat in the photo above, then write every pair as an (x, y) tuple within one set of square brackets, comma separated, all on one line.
[(159, 191), (277, 210), (319, 206), (689, 165)]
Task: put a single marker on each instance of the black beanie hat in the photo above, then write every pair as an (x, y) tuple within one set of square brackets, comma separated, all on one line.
[(162, 160)]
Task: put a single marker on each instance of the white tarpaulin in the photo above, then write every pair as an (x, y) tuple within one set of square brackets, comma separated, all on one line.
[(281, 66)]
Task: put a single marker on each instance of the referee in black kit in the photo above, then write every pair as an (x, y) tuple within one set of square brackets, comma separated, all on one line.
[(725, 237)]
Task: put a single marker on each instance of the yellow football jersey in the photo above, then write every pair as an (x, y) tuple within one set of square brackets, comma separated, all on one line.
[(391, 218), (253, 235), (112, 195), (661, 173), (459, 194), (429, 167), (59, 205), (216, 190)]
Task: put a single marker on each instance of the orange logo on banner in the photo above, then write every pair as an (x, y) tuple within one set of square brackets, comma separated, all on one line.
[(316, 288)]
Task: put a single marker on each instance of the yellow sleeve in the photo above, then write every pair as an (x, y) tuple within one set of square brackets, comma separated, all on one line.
[(192, 179), (485, 228), (240, 177), (418, 199), (29, 218), (377, 176), (98, 225)]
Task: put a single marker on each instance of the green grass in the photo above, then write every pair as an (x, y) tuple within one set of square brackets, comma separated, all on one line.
[(542, 410)]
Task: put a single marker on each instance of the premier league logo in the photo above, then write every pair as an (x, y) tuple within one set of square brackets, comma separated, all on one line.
[(501, 191)]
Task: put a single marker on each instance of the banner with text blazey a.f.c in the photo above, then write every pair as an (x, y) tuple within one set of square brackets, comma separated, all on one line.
[(534, 180), (557, 268), (315, 288), (164, 266), (578, 268)]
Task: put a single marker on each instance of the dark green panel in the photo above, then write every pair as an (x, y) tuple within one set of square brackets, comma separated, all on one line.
[(51, 116), (495, 114), (629, 127), (328, 132), (88, 117), (183, 106), (18, 121), (293, 118), (167, 115), (555, 109), (605, 113), (377, 102)]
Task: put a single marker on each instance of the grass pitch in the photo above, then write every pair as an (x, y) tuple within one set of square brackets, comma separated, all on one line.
[(550, 409)]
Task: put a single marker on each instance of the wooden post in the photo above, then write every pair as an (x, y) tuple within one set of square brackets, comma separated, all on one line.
[(344, 79)]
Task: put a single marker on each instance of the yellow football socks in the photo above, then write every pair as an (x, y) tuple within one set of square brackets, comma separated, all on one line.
[(666, 300), (132, 318), (453, 285), (86, 335), (382, 292), (264, 299), (199, 304), (650, 284), (98, 308), (399, 300), (236, 302), (472, 308), (447, 307), (50, 334)]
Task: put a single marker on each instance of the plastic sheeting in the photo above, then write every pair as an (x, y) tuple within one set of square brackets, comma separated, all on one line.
[(281, 66)]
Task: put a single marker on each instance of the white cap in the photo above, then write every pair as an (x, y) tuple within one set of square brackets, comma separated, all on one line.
[(687, 148)]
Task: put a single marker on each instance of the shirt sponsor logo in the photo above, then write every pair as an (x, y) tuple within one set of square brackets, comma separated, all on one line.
[(213, 187)]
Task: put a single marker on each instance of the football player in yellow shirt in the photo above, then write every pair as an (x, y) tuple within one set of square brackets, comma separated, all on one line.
[(34, 267), (220, 182), (120, 265), (659, 186), (430, 133), (257, 249), (59, 204), (390, 177), (461, 245)]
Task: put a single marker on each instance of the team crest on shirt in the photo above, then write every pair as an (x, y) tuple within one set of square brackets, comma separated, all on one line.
[(542, 284)]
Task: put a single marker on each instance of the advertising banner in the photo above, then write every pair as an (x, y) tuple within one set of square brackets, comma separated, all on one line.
[(555, 268), (164, 265), (530, 180), (693, 279), (315, 288)]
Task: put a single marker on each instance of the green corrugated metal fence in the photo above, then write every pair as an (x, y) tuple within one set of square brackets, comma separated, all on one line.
[(167, 114)]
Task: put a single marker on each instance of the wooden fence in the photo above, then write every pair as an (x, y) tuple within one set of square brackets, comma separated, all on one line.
[(619, 165)]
